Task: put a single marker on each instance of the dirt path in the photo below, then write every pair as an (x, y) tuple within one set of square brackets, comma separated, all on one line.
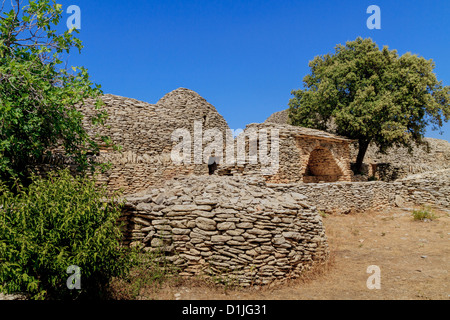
[(412, 256)]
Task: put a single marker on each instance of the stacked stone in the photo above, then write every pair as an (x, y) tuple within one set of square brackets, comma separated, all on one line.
[(280, 117), (398, 163), (144, 132), (348, 197), (296, 145), (232, 227), (432, 188)]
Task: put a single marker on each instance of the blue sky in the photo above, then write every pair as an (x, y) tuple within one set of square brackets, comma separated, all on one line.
[(244, 57)]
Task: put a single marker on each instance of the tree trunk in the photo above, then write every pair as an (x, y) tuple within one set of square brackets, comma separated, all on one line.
[(363, 146)]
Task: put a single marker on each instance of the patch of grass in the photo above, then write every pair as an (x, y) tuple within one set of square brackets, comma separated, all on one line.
[(150, 271), (323, 214), (423, 214)]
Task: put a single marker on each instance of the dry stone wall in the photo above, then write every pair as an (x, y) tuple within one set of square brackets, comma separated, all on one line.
[(252, 228), (398, 163), (232, 227), (431, 188), (280, 117), (253, 232), (145, 133)]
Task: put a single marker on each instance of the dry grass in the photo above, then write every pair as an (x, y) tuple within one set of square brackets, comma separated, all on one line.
[(151, 273)]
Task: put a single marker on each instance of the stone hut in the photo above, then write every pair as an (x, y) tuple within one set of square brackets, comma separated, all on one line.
[(144, 132), (148, 134), (294, 154)]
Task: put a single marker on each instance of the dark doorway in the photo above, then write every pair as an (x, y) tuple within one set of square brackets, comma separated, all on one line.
[(212, 165)]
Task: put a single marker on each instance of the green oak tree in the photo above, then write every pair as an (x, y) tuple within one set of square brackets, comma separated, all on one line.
[(372, 96), (38, 92)]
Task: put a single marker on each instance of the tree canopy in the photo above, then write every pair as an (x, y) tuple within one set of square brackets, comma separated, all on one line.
[(38, 93), (371, 95)]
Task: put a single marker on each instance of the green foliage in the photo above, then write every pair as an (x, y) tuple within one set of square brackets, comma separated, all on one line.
[(56, 223), (372, 95), (37, 95), (425, 213)]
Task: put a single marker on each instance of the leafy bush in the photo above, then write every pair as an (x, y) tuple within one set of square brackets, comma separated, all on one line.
[(55, 223), (38, 94), (423, 214)]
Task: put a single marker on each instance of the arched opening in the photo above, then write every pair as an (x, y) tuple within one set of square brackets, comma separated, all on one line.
[(322, 167)]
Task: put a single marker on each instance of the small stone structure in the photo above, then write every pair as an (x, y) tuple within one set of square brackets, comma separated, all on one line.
[(305, 155), (144, 131), (233, 227), (397, 163), (280, 117)]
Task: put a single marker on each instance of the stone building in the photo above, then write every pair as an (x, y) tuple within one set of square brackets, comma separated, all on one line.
[(235, 228), (146, 134), (304, 155), (398, 162), (280, 117)]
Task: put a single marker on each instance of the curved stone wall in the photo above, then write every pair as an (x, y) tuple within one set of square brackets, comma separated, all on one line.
[(231, 227)]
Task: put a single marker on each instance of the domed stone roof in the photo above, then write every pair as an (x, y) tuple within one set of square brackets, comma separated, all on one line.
[(146, 128), (280, 117), (187, 105)]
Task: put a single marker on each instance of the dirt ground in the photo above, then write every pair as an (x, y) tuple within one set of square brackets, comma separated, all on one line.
[(412, 257)]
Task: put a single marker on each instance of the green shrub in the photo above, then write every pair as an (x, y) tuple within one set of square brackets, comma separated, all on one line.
[(55, 223), (424, 213)]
